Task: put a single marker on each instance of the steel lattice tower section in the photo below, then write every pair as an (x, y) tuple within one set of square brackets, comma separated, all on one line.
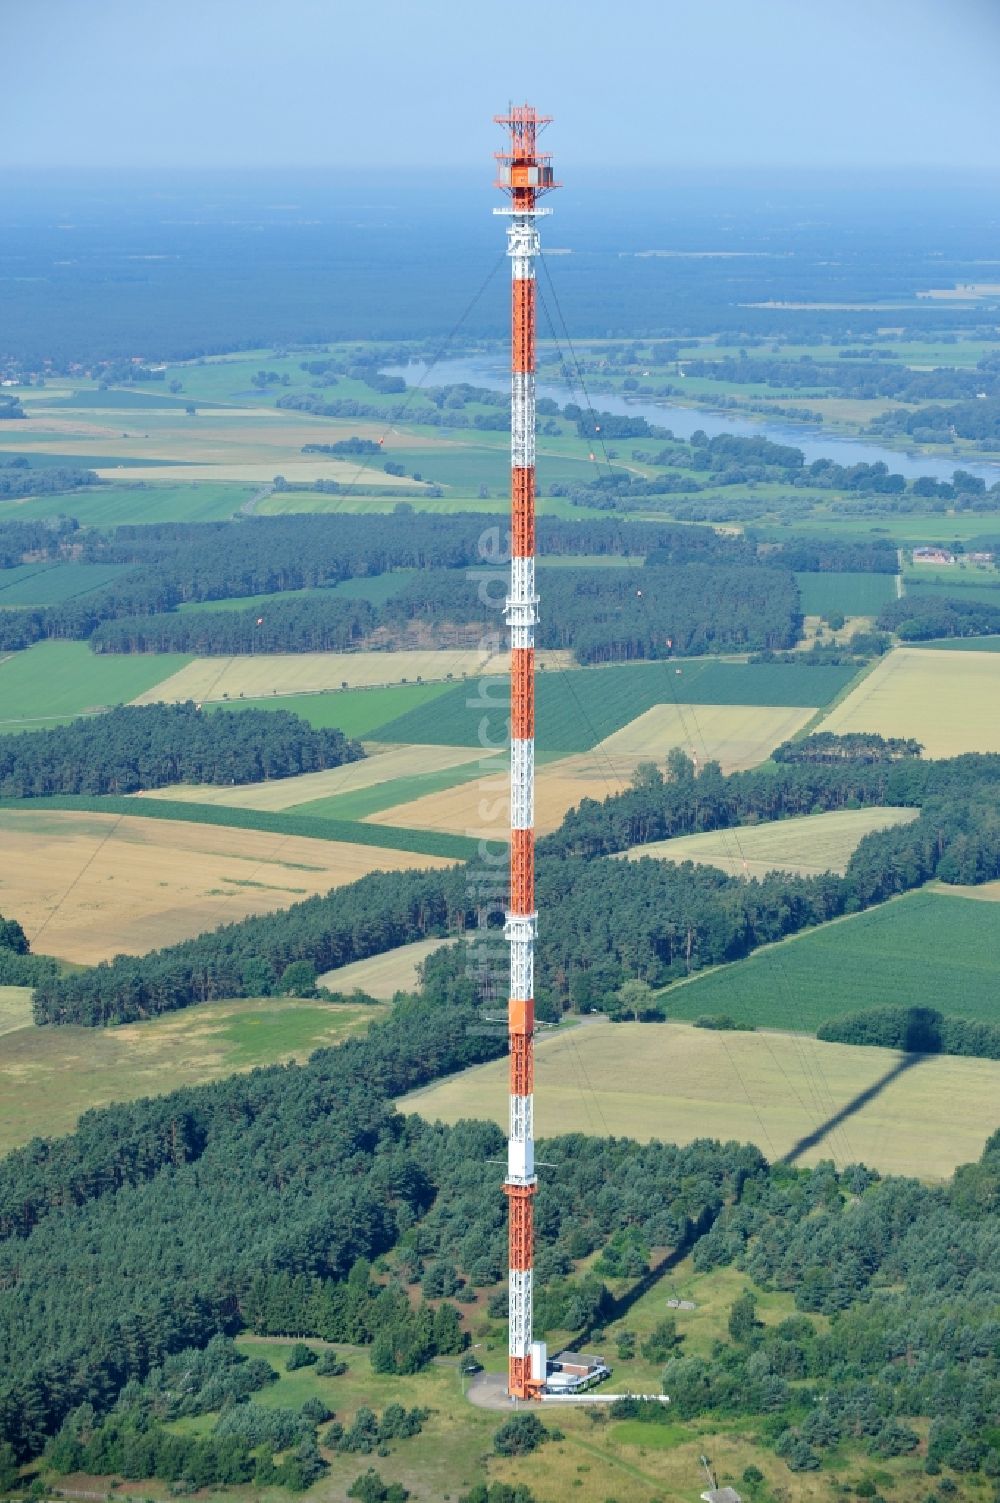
[(524, 174)]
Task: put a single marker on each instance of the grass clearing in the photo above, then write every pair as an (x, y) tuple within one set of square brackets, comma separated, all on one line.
[(15, 1008), (232, 678), (380, 976), (678, 1083), (927, 949), (88, 886), (848, 594), (575, 711), (950, 705), (54, 681), (808, 845), (49, 1076)]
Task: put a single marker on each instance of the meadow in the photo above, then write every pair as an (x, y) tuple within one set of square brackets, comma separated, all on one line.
[(927, 949), (794, 1097), (49, 1076), (848, 594), (88, 886), (57, 680), (576, 711), (808, 845), (950, 705)]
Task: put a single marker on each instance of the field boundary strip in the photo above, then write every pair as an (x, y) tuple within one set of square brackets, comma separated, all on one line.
[(351, 832)]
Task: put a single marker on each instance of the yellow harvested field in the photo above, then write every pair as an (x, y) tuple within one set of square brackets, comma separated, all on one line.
[(88, 886), (812, 844), (300, 471), (677, 1083), (285, 793), (382, 976), (948, 701), (735, 735), (308, 673)]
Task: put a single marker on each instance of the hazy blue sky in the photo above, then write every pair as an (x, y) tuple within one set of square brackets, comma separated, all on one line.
[(381, 83)]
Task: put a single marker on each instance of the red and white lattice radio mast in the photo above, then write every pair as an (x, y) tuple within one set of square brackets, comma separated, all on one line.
[(524, 174)]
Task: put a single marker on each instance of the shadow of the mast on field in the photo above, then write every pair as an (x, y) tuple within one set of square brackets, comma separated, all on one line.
[(904, 1063)]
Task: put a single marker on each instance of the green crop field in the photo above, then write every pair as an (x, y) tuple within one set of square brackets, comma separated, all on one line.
[(850, 594), (965, 644), (356, 712), (114, 505), (928, 949), (577, 710), (51, 584), (49, 1076), (376, 588), (53, 681), (920, 589)]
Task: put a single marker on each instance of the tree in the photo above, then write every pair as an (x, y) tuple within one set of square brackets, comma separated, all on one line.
[(9, 1470), (300, 1356), (743, 1317), (298, 979), (369, 1488), (635, 998)]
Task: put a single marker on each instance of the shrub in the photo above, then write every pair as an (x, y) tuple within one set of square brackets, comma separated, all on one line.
[(519, 1435)]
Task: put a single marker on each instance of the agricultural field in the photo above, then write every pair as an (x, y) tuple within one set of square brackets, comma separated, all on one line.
[(808, 845), (54, 681), (736, 736), (927, 949), (794, 1097), (846, 594), (118, 504), (950, 705), (384, 765), (379, 976), (52, 584), (576, 711), (961, 589), (310, 672), (964, 644), (49, 1076), (357, 712), (89, 886)]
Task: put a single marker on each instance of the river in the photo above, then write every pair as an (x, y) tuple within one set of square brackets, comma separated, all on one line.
[(815, 443)]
